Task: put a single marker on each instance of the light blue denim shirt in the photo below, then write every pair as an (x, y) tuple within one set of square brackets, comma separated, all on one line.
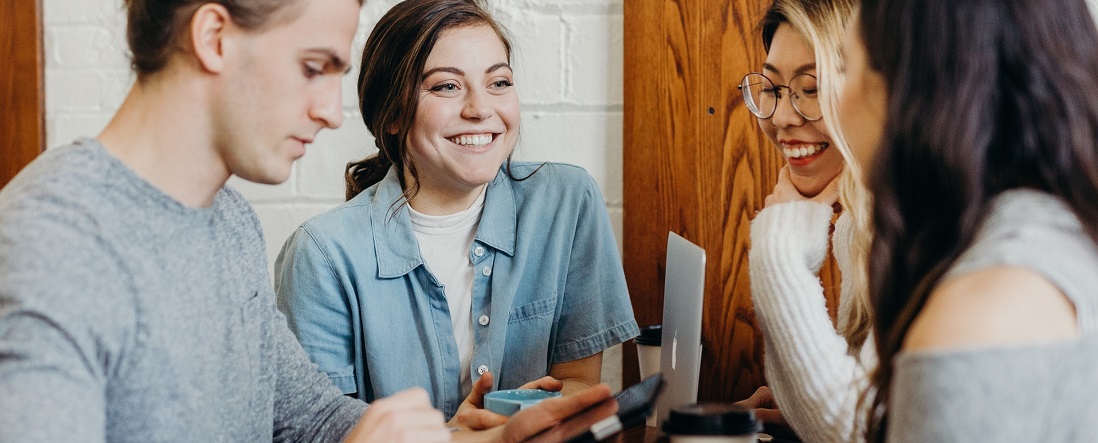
[(548, 288)]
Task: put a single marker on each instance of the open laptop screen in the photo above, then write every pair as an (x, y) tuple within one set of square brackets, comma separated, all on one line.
[(680, 351)]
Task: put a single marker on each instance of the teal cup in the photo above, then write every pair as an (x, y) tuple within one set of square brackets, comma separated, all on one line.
[(509, 401)]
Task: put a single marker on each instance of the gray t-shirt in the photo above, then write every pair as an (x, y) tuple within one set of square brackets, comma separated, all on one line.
[(1016, 393), (126, 316)]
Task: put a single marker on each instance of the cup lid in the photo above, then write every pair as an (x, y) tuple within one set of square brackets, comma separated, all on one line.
[(651, 335), (711, 419)]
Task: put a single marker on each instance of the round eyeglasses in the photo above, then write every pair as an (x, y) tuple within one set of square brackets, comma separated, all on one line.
[(762, 96)]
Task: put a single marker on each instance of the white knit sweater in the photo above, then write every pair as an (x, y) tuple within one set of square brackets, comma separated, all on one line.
[(815, 379)]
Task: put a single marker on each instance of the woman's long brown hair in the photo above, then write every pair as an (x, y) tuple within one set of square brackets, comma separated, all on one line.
[(983, 96)]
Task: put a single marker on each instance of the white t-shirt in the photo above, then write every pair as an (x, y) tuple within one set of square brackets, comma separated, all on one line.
[(444, 242)]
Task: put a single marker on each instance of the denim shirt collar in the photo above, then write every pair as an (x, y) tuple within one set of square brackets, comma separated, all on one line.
[(395, 245)]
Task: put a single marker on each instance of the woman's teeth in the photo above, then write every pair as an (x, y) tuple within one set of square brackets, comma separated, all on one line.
[(475, 140), (804, 150)]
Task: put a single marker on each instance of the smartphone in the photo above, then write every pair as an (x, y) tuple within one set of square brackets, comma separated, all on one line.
[(600, 422)]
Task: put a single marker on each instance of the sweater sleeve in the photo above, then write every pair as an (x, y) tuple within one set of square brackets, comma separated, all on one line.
[(815, 380), (64, 318), (308, 407)]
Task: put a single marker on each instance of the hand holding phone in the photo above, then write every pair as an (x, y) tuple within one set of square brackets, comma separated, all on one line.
[(626, 410)]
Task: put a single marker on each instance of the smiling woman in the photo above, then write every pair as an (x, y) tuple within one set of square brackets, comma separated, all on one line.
[(816, 369), (452, 267), (467, 120), (797, 129)]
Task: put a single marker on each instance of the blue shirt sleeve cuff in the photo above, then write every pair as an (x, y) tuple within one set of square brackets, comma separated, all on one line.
[(595, 343)]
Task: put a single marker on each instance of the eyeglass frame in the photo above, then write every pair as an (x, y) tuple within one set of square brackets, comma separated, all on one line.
[(778, 93)]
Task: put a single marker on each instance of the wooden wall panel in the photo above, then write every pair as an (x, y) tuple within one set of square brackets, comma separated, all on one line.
[(696, 163), (22, 109)]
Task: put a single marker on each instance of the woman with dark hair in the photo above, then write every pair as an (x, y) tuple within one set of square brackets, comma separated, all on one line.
[(450, 261), (977, 130)]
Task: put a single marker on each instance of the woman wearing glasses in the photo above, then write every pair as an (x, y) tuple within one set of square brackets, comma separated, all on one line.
[(816, 372)]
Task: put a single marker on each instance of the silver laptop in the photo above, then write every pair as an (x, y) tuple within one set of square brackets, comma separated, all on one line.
[(680, 350)]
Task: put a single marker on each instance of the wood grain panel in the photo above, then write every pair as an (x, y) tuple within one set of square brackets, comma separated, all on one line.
[(22, 109), (696, 163)]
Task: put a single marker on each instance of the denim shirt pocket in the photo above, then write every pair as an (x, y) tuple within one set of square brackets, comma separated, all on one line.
[(529, 332), (533, 310)]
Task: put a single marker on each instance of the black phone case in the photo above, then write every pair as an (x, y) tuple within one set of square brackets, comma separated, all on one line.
[(635, 404)]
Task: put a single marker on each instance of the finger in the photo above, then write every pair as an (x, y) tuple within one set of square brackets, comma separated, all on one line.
[(538, 424), (830, 193), (400, 418), (480, 419), (415, 426), (764, 395), (563, 407), (784, 189), (481, 387), (757, 398), (783, 174), (548, 413), (547, 383), (412, 398), (748, 403), (768, 400), (769, 415)]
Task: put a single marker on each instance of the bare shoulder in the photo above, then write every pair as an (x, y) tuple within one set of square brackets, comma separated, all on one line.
[(998, 306)]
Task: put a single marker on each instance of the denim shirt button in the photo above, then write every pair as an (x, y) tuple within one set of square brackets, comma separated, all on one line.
[(478, 251), (484, 320), (482, 369), (486, 271)]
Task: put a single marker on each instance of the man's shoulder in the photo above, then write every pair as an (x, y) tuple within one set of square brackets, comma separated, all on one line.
[(53, 252), (70, 179), (57, 186), (57, 217), (50, 167)]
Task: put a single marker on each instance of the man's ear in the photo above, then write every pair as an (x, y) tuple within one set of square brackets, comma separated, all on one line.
[(208, 26)]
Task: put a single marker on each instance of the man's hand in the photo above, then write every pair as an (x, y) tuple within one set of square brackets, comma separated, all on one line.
[(406, 416), (471, 415), (535, 419)]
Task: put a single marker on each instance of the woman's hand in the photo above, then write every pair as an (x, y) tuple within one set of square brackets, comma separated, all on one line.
[(471, 415), (766, 409), (784, 191)]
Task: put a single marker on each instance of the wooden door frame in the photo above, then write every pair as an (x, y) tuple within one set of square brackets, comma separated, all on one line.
[(22, 86)]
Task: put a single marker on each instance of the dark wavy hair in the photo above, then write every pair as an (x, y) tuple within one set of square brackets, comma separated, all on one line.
[(983, 96), (390, 76)]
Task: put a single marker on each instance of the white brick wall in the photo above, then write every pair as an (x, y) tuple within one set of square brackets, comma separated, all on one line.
[(568, 61)]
